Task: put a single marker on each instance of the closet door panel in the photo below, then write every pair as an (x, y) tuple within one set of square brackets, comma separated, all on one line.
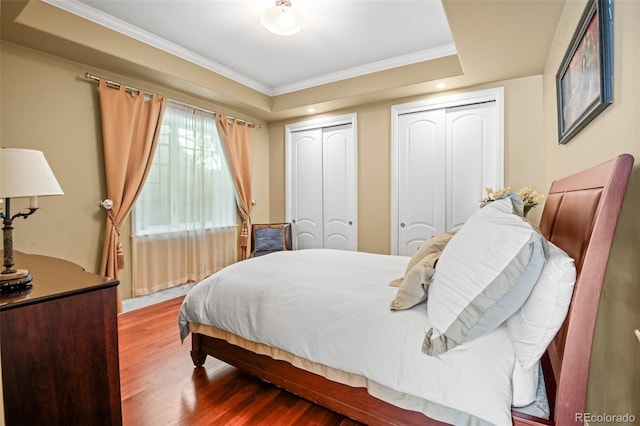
[(306, 191), (421, 193), (470, 139), (338, 197)]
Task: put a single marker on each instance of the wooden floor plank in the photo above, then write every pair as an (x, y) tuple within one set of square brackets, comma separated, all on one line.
[(160, 386)]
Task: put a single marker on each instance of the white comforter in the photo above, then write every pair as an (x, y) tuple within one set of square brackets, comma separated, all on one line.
[(332, 307)]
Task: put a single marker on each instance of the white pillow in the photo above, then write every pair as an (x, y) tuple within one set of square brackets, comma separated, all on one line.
[(485, 274), (524, 385), (536, 323)]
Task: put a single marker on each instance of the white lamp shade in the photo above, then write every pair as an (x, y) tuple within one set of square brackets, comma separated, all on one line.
[(26, 173), (283, 19)]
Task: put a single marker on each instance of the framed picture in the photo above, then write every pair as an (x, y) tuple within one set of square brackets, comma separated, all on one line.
[(584, 82)]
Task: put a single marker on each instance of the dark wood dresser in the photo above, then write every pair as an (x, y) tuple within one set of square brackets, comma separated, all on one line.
[(59, 347)]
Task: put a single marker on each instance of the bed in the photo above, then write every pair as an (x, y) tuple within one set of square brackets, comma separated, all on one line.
[(463, 380)]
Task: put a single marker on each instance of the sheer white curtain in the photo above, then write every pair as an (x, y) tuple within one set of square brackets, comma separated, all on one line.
[(185, 225)]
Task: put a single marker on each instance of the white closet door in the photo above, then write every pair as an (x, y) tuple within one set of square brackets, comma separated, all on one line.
[(339, 196), (445, 158), (321, 179), (471, 159), (421, 177), (306, 188)]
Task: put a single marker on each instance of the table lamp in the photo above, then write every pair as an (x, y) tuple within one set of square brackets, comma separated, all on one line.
[(24, 173)]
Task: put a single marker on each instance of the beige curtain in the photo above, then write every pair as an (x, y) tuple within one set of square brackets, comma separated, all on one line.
[(130, 129), (236, 140), (186, 216), (167, 260)]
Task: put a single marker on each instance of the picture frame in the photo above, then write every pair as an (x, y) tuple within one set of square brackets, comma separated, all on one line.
[(584, 82)]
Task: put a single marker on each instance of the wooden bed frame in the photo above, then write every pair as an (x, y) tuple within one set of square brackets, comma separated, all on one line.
[(580, 216)]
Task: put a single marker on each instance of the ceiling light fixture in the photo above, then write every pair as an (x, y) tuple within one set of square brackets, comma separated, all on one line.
[(282, 19)]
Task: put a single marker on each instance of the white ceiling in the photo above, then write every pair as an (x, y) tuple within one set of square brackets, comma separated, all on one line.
[(342, 38)]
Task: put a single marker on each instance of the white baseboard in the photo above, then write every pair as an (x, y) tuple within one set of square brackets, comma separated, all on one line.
[(152, 299)]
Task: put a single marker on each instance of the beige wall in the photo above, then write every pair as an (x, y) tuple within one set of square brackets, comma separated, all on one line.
[(67, 129), (614, 380), (47, 105), (524, 156)]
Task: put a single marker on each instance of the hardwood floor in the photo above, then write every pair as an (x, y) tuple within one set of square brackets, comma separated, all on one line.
[(160, 385)]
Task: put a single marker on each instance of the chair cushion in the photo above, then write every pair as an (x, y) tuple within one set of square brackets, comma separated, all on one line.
[(269, 239)]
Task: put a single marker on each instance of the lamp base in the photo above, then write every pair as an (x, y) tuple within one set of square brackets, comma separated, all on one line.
[(15, 281)]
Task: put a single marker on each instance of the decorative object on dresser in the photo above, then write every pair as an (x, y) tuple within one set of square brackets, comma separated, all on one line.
[(25, 173), (59, 345)]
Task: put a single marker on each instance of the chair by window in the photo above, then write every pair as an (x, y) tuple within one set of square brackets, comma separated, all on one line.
[(270, 237)]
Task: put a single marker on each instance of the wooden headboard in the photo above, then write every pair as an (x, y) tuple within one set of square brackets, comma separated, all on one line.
[(580, 216)]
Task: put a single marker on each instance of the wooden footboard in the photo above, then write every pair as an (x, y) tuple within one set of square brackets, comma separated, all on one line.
[(352, 402), (355, 403)]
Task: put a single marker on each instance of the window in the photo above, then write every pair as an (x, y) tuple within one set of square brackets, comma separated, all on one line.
[(189, 185)]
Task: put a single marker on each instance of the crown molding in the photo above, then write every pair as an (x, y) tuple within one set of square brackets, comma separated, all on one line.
[(98, 17)]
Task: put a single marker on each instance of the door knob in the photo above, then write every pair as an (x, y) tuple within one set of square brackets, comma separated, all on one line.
[(402, 225)]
